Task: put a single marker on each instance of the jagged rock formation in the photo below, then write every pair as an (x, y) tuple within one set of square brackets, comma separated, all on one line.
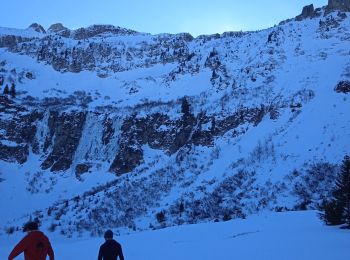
[(64, 136), (60, 141), (85, 33), (17, 131), (341, 5), (59, 29), (308, 12), (89, 54), (343, 86), (37, 27), (11, 41)]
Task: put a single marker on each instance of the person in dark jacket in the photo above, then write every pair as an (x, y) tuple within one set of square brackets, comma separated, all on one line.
[(35, 245), (111, 249)]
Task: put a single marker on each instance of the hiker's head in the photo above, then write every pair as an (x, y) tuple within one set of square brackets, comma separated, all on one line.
[(108, 234), (30, 226)]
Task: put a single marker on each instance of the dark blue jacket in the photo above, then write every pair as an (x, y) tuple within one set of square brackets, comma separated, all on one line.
[(110, 250)]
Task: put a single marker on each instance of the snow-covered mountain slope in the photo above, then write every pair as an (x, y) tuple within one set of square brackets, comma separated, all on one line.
[(291, 235), (111, 127)]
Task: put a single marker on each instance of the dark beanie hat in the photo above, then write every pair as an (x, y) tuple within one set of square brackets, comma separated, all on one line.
[(108, 234), (30, 226)]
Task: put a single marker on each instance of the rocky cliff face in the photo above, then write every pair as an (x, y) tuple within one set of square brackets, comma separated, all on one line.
[(92, 55), (342, 5), (63, 138), (59, 29), (17, 130), (88, 55), (56, 134), (308, 12), (37, 27)]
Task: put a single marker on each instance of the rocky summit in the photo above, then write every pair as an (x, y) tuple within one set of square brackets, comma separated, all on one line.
[(342, 5)]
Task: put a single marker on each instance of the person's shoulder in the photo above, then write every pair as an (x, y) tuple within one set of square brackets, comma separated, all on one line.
[(104, 244), (116, 243), (26, 237), (38, 233)]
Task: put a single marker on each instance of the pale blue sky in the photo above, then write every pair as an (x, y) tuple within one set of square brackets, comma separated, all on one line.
[(154, 16)]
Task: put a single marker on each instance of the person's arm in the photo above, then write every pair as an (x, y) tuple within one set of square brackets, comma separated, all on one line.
[(50, 251), (100, 254), (121, 256), (18, 249)]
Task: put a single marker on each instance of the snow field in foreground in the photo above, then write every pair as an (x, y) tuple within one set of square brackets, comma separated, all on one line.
[(270, 236)]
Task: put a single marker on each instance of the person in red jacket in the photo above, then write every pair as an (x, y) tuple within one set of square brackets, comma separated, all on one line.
[(35, 245)]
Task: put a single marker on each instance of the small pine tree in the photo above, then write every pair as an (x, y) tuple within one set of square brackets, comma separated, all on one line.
[(6, 90), (160, 216), (332, 213), (212, 129), (342, 192), (337, 210), (13, 90), (214, 75), (181, 207), (185, 106), (226, 217)]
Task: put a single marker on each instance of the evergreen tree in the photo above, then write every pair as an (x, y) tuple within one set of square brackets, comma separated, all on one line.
[(332, 213), (160, 216), (214, 75), (337, 211), (212, 129), (13, 90), (185, 106), (6, 90), (342, 192)]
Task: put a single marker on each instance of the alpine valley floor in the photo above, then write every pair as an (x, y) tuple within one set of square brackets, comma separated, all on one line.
[(295, 235)]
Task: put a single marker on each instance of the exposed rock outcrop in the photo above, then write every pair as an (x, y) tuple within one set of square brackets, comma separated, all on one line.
[(99, 55), (11, 41), (341, 5), (343, 87), (59, 29), (37, 27), (10, 153), (308, 11), (64, 137), (159, 132), (82, 168), (85, 33), (60, 133), (58, 144), (18, 128)]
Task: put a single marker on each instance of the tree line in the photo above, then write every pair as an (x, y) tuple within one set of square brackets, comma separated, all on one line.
[(10, 91), (336, 210)]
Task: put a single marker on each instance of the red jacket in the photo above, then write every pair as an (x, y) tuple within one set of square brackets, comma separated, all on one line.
[(35, 245)]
